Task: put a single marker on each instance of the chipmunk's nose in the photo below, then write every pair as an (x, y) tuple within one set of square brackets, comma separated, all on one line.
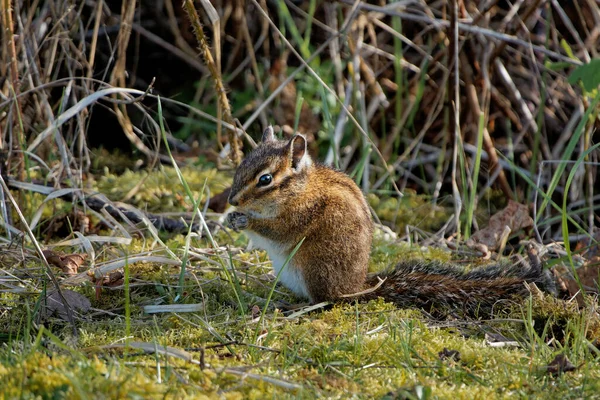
[(232, 200)]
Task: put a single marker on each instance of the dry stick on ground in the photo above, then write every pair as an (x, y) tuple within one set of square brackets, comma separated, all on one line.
[(49, 273), (99, 202), (216, 75)]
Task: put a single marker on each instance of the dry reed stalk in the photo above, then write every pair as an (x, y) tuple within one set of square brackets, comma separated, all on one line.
[(476, 110), (9, 37), (454, 114), (215, 72), (92, 58), (530, 106), (118, 72)]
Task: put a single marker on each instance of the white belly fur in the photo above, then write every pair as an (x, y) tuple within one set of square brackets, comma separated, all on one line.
[(291, 277)]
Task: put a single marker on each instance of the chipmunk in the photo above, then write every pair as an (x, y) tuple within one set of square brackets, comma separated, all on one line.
[(282, 197)]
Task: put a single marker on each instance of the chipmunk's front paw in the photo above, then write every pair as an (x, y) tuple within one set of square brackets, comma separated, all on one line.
[(237, 221)]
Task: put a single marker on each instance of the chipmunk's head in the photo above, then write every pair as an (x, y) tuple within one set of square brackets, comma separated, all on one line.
[(270, 174)]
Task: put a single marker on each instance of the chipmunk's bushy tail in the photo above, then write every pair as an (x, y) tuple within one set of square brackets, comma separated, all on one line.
[(433, 285)]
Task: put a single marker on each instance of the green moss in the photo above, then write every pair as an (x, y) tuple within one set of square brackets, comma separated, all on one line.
[(162, 190), (365, 350), (37, 375), (410, 210), (352, 350), (115, 161), (385, 254)]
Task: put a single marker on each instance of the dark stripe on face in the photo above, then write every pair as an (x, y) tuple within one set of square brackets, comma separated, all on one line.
[(243, 175), (261, 167), (285, 182)]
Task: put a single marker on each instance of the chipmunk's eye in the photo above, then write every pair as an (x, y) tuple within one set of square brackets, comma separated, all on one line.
[(264, 180)]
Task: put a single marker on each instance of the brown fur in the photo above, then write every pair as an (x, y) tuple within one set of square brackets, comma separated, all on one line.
[(328, 210), (434, 284), (319, 204)]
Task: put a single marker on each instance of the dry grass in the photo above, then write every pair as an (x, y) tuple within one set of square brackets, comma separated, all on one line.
[(392, 71)]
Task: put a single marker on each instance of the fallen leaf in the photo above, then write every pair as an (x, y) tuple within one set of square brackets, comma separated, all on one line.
[(513, 217), (68, 263), (113, 279), (54, 303), (589, 247), (588, 250), (588, 276), (559, 365), (255, 311)]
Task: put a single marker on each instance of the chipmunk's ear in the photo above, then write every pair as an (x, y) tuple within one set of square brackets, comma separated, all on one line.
[(268, 135), (298, 154)]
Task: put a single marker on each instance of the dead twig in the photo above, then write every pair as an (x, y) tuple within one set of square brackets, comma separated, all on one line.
[(99, 202)]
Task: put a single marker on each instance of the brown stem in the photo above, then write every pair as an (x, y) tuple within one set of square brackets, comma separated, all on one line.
[(188, 5), (14, 74), (488, 143)]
